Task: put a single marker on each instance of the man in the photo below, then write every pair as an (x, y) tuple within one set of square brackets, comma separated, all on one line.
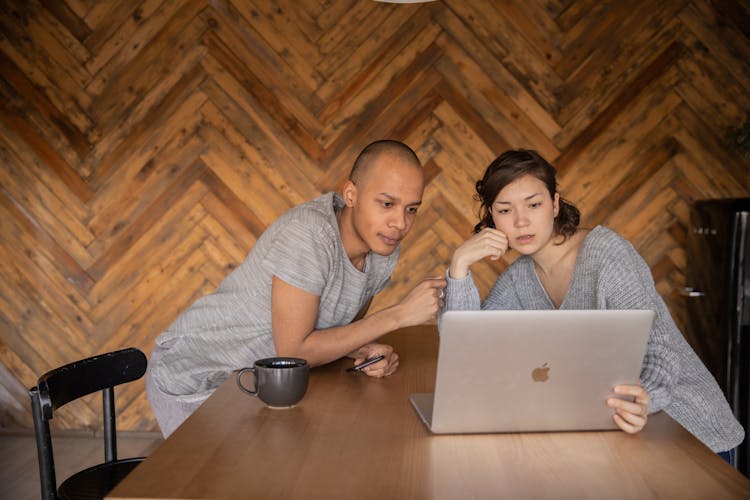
[(304, 289)]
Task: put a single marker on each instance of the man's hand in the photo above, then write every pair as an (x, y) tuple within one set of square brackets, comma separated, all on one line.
[(383, 367), (423, 303)]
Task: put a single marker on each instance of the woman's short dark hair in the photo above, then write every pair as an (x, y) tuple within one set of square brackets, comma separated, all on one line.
[(513, 165)]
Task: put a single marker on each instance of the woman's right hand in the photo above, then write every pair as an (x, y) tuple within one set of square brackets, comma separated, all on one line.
[(488, 242)]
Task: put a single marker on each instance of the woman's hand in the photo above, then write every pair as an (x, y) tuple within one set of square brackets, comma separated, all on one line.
[(488, 242), (630, 416), (383, 367)]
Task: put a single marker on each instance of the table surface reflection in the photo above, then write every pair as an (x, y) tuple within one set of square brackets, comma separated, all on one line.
[(357, 437)]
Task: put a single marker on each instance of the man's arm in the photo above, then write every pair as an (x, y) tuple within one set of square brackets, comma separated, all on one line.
[(294, 313), (363, 311)]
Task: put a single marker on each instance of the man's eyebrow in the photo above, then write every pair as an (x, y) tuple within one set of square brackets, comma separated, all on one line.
[(394, 198)]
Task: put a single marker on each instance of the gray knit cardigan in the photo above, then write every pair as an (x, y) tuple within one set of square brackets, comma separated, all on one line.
[(610, 274)]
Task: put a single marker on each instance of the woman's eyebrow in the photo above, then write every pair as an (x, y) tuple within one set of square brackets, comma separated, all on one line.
[(525, 199)]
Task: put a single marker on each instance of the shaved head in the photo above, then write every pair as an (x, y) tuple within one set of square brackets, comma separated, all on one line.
[(376, 150), (381, 199)]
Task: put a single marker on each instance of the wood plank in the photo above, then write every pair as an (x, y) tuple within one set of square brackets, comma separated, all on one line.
[(150, 181), (612, 64), (273, 115), (510, 124), (145, 139), (368, 58), (146, 145), (36, 147), (241, 176), (120, 323), (303, 19), (732, 178), (249, 48), (593, 30), (356, 39), (150, 249), (293, 182), (300, 123), (606, 160), (537, 26), (379, 119), (40, 243), (129, 236), (66, 14), (17, 153), (80, 7), (383, 87), (528, 67), (105, 19), (698, 88), (46, 209), (505, 82), (279, 31), (627, 94), (29, 27), (112, 51), (60, 125), (135, 81), (718, 35)]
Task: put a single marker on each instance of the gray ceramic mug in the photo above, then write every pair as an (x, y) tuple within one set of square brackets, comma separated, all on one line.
[(279, 382)]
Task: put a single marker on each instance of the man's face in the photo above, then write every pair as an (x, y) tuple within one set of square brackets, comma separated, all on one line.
[(384, 203)]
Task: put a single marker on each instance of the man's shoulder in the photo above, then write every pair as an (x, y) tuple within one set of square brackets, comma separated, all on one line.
[(302, 228), (317, 208), (312, 216)]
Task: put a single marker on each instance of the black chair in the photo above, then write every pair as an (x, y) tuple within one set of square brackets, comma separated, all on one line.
[(72, 381)]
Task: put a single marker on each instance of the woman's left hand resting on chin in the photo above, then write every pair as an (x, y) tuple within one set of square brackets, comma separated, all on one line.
[(383, 367), (630, 416)]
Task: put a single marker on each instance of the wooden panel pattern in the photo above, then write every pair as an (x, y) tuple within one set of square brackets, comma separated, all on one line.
[(144, 145)]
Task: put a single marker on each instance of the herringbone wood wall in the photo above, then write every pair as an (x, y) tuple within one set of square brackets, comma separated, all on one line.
[(146, 144)]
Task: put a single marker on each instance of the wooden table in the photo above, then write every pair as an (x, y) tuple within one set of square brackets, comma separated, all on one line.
[(357, 437)]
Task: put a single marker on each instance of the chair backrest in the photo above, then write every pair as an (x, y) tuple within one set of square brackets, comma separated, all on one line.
[(72, 381)]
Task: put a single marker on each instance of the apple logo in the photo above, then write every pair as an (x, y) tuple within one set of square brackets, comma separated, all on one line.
[(541, 373)]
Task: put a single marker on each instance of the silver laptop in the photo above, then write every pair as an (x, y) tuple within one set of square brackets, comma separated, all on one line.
[(527, 371)]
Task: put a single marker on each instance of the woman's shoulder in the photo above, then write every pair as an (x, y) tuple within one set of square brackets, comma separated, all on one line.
[(604, 239), (519, 268), (607, 249)]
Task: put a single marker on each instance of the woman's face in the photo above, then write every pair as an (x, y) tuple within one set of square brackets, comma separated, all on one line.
[(525, 212)]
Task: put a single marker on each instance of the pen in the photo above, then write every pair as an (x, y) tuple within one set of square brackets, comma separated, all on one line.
[(368, 362)]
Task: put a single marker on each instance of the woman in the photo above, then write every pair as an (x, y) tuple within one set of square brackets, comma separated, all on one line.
[(565, 267)]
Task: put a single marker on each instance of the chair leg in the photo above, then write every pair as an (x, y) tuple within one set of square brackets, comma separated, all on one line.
[(43, 448), (110, 437)]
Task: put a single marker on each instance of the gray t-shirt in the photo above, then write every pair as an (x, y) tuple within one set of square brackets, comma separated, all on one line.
[(610, 274), (231, 328)]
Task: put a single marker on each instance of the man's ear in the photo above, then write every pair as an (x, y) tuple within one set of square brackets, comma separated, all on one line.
[(350, 193)]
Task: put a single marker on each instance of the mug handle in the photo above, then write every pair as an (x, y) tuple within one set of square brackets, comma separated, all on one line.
[(255, 381)]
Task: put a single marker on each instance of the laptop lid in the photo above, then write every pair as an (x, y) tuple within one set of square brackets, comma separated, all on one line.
[(519, 371)]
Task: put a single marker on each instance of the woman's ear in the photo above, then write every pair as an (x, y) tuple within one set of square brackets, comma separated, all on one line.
[(556, 204)]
